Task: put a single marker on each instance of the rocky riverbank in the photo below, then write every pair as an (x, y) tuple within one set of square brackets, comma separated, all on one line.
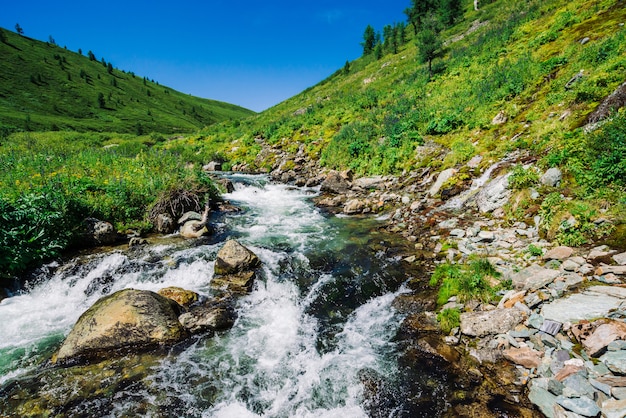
[(556, 339)]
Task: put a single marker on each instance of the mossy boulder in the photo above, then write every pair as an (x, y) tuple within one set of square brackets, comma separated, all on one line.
[(126, 321)]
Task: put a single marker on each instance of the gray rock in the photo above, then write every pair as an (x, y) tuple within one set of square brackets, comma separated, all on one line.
[(457, 233), (614, 408), (497, 321), (486, 236), (577, 386), (494, 194), (552, 177), (475, 161), (569, 265), (582, 406), (616, 345), (448, 223), (603, 387), (535, 321), (543, 399), (367, 183), (619, 393), (584, 40), (595, 302), (235, 258), (500, 118), (212, 166), (615, 361), (534, 277), (620, 259), (444, 176)]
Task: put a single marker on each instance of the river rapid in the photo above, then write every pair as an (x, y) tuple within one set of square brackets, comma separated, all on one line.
[(314, 338)]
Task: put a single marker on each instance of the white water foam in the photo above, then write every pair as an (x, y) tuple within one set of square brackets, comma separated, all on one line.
[(269, 363)]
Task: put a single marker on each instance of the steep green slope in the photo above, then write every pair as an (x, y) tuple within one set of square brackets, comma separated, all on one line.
[(542, 67), (515, 58), (46, 87)]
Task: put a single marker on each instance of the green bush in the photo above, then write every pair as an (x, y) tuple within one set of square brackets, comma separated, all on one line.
[(35, 227), (522, 178), (607, 153)]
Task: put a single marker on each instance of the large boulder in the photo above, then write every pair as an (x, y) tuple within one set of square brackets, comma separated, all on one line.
[(213, 316), (234, 258), (494, 195), (99, 232), (336, 183), (126, 321)]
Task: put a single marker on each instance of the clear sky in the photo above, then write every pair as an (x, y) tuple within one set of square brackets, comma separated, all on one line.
[(251, 53)]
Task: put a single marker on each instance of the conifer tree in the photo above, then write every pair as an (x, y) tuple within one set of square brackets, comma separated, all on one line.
[(369, 40), (428, 41)]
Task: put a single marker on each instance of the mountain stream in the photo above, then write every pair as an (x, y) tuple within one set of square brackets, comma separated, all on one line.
[(312, 339)]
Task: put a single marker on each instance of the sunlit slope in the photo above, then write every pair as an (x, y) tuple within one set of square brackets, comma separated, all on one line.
[(46, 87)]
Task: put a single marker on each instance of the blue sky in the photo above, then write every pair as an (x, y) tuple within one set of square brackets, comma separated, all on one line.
[(253, 54)]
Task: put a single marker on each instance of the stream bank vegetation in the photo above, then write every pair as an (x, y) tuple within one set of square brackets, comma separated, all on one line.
[(52, 181), (394, 110)]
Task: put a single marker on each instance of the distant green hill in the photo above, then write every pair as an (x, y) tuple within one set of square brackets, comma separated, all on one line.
[(46, 87)]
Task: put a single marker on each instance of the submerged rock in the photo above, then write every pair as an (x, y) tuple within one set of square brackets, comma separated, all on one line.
[(126, 321)]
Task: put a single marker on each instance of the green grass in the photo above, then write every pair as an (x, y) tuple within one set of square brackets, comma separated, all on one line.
[(52, 181), (46, 87), (465, 281), (373, 117)]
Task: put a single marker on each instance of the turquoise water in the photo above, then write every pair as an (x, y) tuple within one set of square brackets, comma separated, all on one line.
[(318, 320)]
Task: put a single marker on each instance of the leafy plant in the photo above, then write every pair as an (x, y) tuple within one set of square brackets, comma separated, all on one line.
[(449, 319), (467, 282), (534, 250), (522, 178)]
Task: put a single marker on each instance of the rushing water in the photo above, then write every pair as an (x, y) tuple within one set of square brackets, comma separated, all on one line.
[(318, 320)]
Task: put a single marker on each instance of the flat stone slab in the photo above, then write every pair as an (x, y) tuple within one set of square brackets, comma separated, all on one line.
[(534, 277), (595, 302), (498, 321)]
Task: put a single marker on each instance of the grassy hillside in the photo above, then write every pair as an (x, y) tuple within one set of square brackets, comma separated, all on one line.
[(543, 66), (514, 58), (45, 87)]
